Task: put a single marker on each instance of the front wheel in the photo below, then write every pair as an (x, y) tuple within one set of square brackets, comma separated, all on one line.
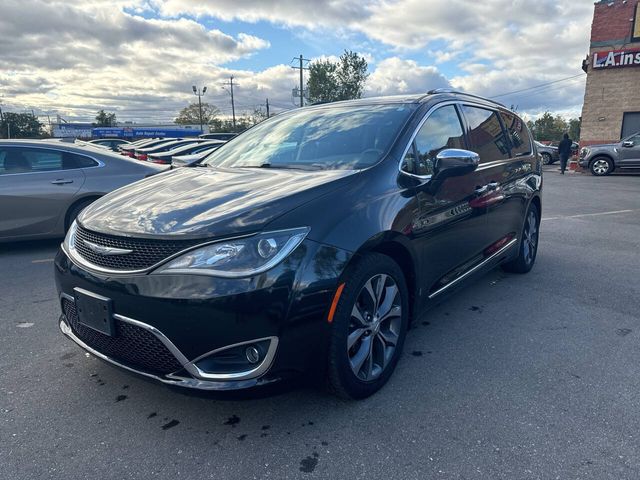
[(528, 249), (546, 159), (369, 327), (601, 166)]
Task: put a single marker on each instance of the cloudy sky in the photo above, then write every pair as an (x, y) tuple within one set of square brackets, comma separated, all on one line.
[(139, 58)]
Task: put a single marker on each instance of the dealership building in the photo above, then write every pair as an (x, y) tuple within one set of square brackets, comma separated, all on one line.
[(611, 108)]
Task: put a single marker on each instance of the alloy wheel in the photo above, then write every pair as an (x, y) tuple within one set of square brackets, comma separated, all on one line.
[(546, 159), (374, 327), (600, 167), (530, 240)]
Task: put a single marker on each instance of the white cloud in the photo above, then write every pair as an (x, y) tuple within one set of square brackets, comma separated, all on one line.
[(77, 57), (394, 76)]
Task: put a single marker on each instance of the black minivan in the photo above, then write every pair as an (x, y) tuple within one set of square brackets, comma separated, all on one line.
[(305, 245)]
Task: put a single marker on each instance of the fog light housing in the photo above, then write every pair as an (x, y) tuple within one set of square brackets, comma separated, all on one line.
[(252, 354), (244, 360)]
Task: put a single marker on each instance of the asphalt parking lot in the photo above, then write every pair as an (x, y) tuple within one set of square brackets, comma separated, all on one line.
[(532, 377)]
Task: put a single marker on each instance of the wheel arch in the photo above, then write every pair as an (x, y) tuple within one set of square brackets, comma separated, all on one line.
[(85, 199), (607, 156), (397, 247)]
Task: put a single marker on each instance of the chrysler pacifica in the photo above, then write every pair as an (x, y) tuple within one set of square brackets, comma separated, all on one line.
[(305, 245)]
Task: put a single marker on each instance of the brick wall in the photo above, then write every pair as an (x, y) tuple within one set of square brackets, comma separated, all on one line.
[(612, 22), (610, 92)]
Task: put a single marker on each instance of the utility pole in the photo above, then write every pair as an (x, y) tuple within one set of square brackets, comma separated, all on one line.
[(301, 59), (267, 108), (196, 91), (233, 106)]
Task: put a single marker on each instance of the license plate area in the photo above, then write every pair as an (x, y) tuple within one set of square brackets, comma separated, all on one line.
[(94, 311)]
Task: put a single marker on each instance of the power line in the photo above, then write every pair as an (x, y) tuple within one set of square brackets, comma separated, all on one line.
[(539, 86), (556, 87)]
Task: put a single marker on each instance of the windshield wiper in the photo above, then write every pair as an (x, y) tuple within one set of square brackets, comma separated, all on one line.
[(283, 166)]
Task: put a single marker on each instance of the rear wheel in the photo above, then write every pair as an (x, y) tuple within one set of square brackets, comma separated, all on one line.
[(528, 249), (369, 328), (601, 166)]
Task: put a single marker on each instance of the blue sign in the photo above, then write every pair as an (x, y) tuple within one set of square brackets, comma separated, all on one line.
[(144, 132)]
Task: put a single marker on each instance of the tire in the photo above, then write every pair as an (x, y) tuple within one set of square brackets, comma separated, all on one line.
[(75, 210), (601, 166), (361, 370), (547, 159), (528, 248)]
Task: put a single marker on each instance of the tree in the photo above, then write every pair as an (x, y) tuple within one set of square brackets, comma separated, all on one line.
[(342, 80), (246, 120), (549, 128), (20, 125), (574, 128), (105, 119), (190, 115)]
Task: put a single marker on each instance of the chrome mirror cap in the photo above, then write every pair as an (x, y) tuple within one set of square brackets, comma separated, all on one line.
[(460, 156)]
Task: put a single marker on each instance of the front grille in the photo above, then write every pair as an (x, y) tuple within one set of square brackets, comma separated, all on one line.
[(132, 346), (145, 252)]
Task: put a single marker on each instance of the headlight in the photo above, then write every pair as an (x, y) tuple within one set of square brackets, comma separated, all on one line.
[(241, 257), (70, 239), (584, 152)]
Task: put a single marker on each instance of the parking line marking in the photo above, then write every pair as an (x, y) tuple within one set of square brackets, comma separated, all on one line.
[(43, 260), (590, 214)]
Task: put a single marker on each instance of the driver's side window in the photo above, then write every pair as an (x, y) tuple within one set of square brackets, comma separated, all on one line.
[(442, 130)]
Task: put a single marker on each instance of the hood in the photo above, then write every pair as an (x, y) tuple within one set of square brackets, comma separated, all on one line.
[(207, 202)]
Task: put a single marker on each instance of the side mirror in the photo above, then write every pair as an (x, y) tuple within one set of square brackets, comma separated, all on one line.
[(454, 162), (628, 143)]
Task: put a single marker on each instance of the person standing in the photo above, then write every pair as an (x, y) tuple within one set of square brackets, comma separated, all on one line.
[(564, 151)]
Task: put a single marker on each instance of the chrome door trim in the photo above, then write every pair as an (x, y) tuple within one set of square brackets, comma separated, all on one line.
[(413, 136), (474, 269), (459, 103)]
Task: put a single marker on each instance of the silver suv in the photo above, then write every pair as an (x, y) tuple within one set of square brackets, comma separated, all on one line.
[(604, 159)]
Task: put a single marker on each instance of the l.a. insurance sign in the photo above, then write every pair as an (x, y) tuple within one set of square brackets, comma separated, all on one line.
[(616, 59)]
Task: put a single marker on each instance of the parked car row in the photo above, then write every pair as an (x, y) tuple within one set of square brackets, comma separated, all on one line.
[(164, 151)]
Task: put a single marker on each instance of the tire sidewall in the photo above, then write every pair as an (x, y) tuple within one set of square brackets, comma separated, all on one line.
[(533, 207), (339, 368)]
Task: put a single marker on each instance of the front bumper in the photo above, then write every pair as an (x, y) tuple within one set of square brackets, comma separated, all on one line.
[(167, 323)]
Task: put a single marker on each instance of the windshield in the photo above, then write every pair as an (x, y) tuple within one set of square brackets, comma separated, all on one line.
[(328, 138)]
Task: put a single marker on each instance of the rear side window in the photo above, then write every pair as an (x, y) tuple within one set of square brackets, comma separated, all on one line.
[(440, 131), (486, 136), (517, 133), (33, 160)]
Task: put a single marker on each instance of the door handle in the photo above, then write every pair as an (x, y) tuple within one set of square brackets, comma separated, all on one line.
[(489, 187), (61, 181)]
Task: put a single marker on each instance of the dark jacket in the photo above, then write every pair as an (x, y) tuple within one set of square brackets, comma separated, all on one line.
[(564, 148)]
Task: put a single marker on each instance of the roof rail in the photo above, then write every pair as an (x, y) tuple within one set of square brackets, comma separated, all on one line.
[(460, 92)]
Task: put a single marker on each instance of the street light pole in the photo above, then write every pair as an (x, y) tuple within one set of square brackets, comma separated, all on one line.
[(196, 91)]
